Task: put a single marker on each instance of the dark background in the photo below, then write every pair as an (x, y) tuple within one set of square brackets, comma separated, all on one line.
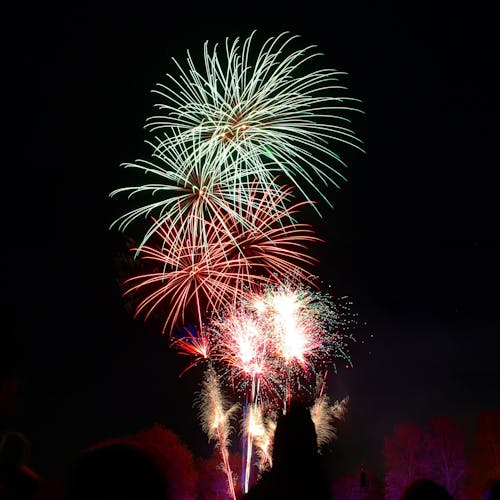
[(412, 239)]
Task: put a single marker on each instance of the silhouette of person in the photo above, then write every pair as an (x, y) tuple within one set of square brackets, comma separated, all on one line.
[(494, 492), (117, 471), (362, 477), (425, 489), (17, 479), (4, 494), (297, 470)]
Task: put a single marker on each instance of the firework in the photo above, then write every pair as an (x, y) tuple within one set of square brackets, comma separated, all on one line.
[(274, 342), (216, 415), (271, 240), (190, 190), (228, 263), (243, 350), (194, 344), (192, 278), (273, 345), (325, 415), (258, 433), (223, 133), (308, 332), (261, 430), (197, 275), (261, 105)]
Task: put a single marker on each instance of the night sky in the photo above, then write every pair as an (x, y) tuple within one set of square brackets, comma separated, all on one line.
[(412, 239)]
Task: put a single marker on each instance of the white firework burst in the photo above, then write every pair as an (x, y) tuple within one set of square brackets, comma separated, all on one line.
[(262, 107)]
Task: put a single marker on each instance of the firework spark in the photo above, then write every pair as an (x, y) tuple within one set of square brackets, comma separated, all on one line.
[(307, 329), (273, 345), (325, 416), (274, 342), (262, 431)]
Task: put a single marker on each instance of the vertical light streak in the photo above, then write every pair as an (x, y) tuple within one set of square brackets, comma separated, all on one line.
[(249, 448), (216, 420), (258, 434), (250, 426), (263, 435)]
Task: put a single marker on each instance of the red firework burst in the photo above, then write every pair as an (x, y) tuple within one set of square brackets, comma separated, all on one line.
[(195, 275)]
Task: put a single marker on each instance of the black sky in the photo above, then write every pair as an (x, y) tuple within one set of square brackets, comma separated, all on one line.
[(412, 239)]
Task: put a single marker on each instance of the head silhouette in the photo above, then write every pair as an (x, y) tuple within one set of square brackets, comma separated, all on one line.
[(494, 491), (116, 471), (295, 441), (297, 470), (18, 481), (15, 449), (425, 489)]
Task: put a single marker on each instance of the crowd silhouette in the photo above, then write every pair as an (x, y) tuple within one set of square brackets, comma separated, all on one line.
[(118, 471), (124, 470)]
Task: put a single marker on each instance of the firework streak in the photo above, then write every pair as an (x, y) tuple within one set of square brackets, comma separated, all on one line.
[(215, 418)]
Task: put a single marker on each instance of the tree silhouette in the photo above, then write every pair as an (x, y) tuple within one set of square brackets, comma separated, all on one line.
[(177, 461), (346, 487), (406, 458), (485, 453), (128, 463), (116, 469), (448, 456)]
